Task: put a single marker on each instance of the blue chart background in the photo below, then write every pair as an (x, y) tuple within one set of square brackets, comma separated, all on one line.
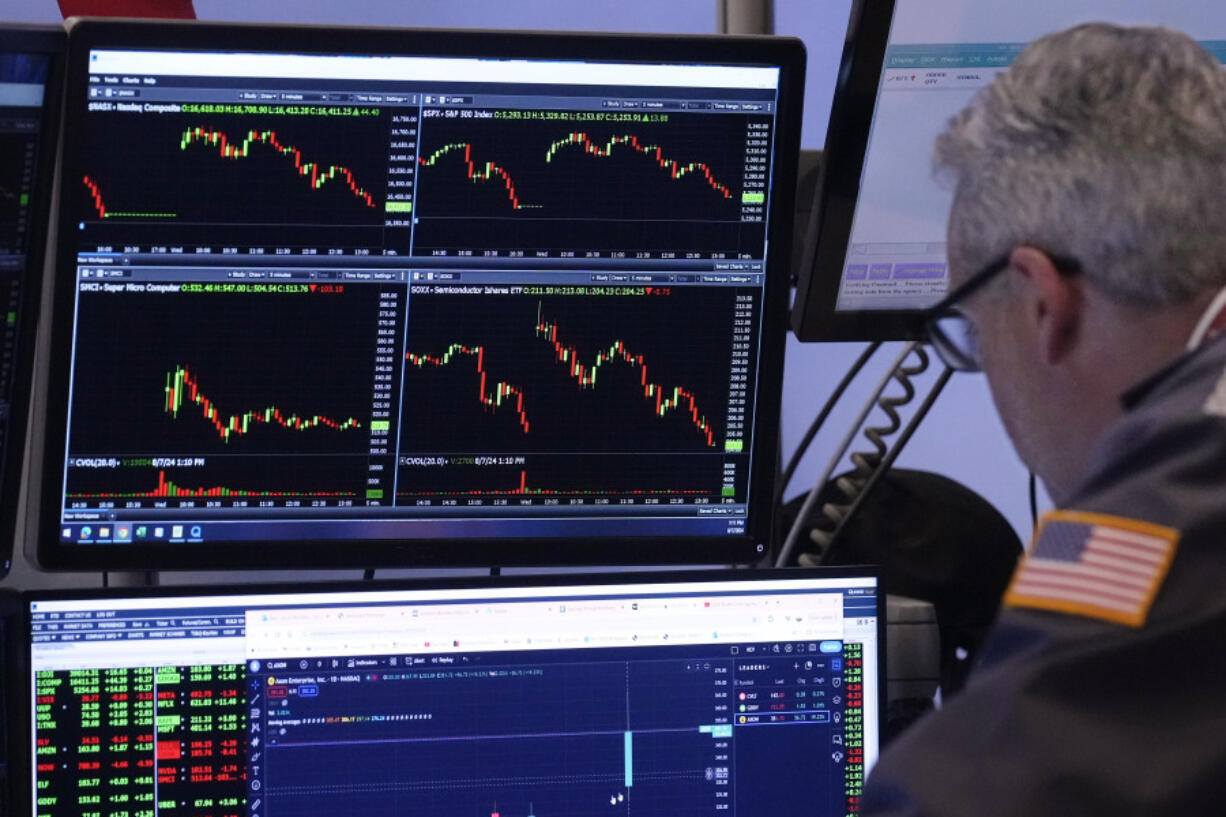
[(558, 775), (546, 739)]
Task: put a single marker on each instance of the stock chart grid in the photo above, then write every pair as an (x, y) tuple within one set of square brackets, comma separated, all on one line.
[(426, 180), (511, 302)]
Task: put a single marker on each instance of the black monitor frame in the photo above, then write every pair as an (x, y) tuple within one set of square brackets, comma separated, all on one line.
[(820, 270), (48, 41), (85, 35), (15, 607), (14, 710)]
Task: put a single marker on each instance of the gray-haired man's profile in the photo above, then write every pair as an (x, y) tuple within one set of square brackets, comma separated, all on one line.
[(1087, 247)]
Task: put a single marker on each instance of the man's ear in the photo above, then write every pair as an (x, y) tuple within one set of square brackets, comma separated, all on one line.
[(1052, 301)]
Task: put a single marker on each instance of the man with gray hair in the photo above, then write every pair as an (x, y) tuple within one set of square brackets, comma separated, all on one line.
[(1087, 246)]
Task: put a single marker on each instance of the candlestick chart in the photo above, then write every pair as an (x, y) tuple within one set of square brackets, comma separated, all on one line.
[(271, 390), (567, 183), (584, 738), (242, 180), (578, 395), (641, 372)]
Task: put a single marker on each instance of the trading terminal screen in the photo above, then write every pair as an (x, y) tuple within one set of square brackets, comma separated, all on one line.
[(340, 297), (938, 56), (658, 699), (23, 79)]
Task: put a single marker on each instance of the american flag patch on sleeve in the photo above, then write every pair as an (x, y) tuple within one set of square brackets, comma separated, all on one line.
[(1105, 567)]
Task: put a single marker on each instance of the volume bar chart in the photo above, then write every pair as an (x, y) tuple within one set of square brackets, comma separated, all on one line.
[(167, 488), (228, 481), (541, 479), (526, 489)]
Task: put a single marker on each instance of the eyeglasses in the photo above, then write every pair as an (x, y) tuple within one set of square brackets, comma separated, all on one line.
[(952, 334)]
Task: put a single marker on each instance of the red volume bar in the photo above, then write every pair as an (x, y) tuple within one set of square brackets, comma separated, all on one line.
[(524, 490)]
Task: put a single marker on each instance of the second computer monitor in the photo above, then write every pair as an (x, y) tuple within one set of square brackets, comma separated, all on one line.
[(879, 258), (657, 696)]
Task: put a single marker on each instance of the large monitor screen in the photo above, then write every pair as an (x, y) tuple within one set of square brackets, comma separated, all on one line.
[(880, 258), (29, 63), (657, 696), (390, 295)]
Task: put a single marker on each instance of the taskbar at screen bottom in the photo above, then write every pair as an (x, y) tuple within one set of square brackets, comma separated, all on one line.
[(211, 543)]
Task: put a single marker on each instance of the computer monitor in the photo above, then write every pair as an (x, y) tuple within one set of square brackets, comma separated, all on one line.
[(878, 246), (364, 297), (12, 706), (664, 694), (30, 75)]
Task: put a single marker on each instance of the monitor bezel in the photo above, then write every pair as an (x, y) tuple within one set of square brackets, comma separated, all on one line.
[(820, 271), (19, 670), (786, 53), (13, 707), (48, 41)]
